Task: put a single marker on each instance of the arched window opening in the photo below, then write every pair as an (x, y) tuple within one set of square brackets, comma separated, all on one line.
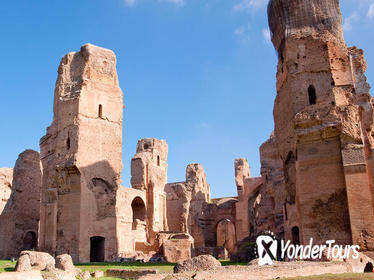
[(97, 249), (295, 235), (138, 211), (30, 241), (312, 95), (158, 160), (100, 111)]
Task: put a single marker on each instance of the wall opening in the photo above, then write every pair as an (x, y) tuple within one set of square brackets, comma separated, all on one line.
[(30, 241), (312, 95), (289, 169), (226, 235), (100, 111), (368, 267), (97, 249), (295, 235), (158, 160), (138, 211), (285, 211), (68, 143)]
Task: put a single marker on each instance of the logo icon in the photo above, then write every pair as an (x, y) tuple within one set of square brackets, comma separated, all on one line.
[(267, 247)]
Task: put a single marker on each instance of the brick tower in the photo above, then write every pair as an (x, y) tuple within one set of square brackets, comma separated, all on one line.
[(81, 156), (321, 94)]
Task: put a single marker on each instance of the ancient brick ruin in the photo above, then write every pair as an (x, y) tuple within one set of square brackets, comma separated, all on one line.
[(316, 168)]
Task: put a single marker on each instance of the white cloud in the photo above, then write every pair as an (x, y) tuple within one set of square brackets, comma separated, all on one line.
[(129, 3), (349, 21), (266, 34), (243, 32), (249, 5), (239, 31), (371, 11)]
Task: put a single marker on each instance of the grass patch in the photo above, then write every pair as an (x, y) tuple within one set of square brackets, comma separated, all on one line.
[(227, 263), (345, 276), (110, 278), (104, 266), (7, 266)]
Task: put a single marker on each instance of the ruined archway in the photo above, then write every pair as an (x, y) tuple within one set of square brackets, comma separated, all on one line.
[(226, 235), (30, 241), (97, 249), (138, 211)]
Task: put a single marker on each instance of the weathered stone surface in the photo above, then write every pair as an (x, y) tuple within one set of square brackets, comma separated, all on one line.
[(242, 171), (185, 201), (65, 262), (85, 275), (58, 274), (19, 221), (265, 196), (355, 265), (97, 274), (6, 177), (246, 187), (39, 260), (220, 253), (204, 262), (81, 155), (316, 168), (23, 263), (25, 275), (177, 247), (226, 235), (129, 273)]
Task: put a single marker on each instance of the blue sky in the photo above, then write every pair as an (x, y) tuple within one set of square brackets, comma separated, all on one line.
[(199, 74)]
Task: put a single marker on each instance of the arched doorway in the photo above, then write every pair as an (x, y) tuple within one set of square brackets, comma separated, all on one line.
[(30, 241), (295, 235), (97, 249), (226, 235), (312, 96), (138, 211)]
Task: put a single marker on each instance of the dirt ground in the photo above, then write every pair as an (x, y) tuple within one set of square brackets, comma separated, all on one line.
[(254, 272)]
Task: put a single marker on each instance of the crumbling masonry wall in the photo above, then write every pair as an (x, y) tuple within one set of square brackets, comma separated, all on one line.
[(19, 221), (142, 208), (6, 177), (185, 201), (323, 119)]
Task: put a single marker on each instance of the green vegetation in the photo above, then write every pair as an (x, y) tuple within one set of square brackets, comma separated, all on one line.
[(6, 266), (345, 276), (228, 262), (162, 267)]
